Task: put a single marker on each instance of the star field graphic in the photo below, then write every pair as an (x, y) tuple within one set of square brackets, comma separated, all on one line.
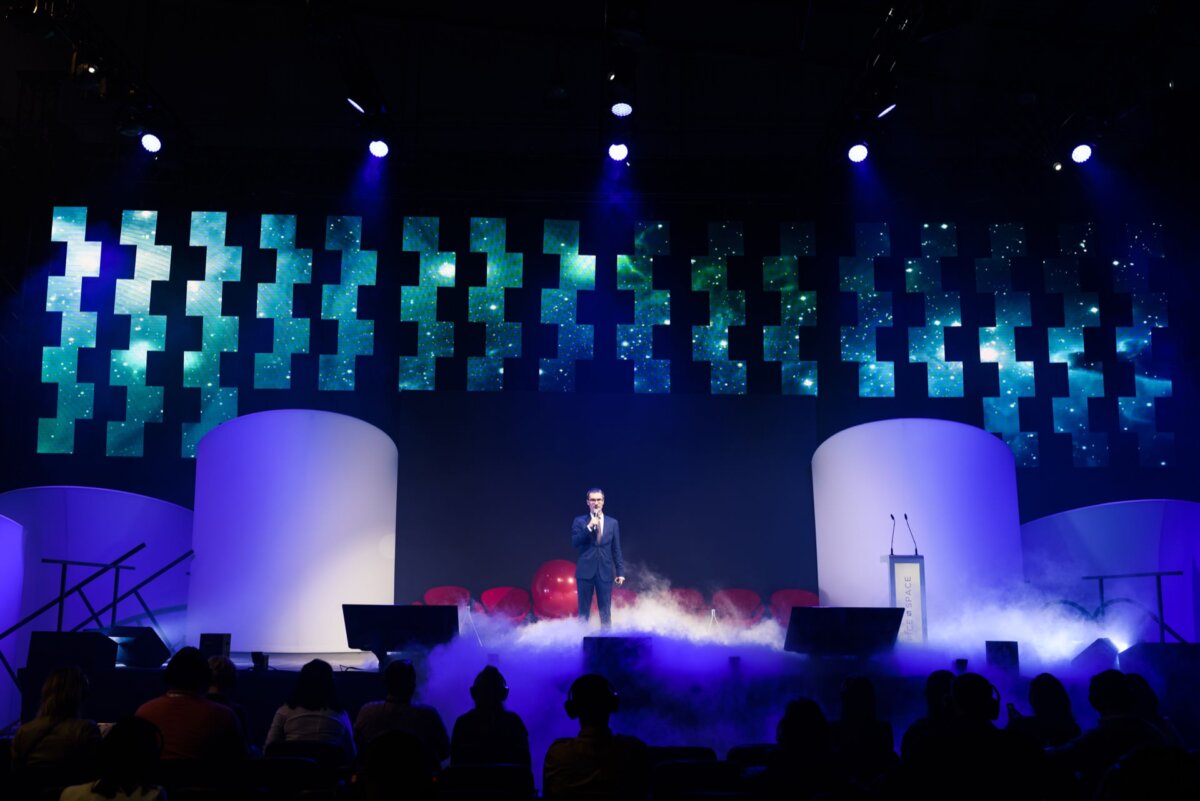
[(1105, 379), (876, 379), (502, 340), (1137, 414), (726, 308), (576, 273), (942, 310), (147, 332), (651, 307), (418, 304), (797, 308), (1085, 379), (290, 334), (998, 343), (202, 368), (60, 363)]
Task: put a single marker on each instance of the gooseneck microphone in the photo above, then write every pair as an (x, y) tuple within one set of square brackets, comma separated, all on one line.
[(892, 544), (916, 552)]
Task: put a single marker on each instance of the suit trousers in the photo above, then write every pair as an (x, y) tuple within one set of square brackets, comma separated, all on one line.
[(603, 590)]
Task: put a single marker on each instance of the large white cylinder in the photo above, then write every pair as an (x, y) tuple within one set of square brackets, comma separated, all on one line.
[(958, 486), (1120, 538), (295, 516)]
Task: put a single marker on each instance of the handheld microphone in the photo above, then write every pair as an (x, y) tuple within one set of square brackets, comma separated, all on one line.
[(892, 544), (910, 534)]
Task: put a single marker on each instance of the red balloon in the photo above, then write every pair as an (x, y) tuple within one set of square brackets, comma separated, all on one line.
[(554, 594)]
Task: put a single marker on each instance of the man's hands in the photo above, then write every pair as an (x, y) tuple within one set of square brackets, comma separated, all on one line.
[(619, 580)]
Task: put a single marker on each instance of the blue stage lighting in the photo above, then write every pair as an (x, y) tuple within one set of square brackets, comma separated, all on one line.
[(378, 148), (1081, 153), (151, 143), (618, 152), (355, 105), (885, 112), (857, 153), (622, 109)]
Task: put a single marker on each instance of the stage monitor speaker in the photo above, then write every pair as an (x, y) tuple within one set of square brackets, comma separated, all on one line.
[(1101, 655), (1163, 660), (842, 631), (1003, 655), (386, 629), (215, 645), (138, 646), (89, 650)]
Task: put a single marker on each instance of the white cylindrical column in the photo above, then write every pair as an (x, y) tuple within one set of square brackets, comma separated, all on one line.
[(295, 516), (1119, 538), (957, 483), (12, 574)]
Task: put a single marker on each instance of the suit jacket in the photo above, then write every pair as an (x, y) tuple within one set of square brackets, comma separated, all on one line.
[(601, 561)]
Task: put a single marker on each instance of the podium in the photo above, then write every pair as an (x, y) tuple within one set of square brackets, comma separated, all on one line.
[(907, 575)]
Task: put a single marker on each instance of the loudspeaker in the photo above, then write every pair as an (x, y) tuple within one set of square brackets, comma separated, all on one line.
[(1101, 655), (842, 631), (1003, 655), (138, 646), (215, 645), (89, 650)]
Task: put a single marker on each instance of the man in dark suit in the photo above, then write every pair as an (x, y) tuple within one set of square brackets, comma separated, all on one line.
[(598, 538)]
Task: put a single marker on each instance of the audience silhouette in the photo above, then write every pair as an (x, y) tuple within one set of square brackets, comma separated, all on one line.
[(128, 757), (596, 762), (489, 733), (192, 726), (398, 713), (312, 714)]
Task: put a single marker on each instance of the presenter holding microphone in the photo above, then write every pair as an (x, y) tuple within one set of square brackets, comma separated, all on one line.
[(598, 538)]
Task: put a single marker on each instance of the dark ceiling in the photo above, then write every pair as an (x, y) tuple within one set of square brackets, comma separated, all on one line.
[(754, 94)]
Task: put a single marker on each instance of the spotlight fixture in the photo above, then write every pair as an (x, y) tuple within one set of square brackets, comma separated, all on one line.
[(857, 153), (618, 151), (1081, 153), (886, 111), (622, 109), (151, 143), (378, 148), (354, 104), (1056, 166)]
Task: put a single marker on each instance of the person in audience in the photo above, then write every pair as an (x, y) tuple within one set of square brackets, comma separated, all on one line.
[(397, 712), (128, 756), (1052, 722), (313, 713), (801, 766), (221, 687), (489, 733), (863, 742), (192, 726), (58, 740), (597, 761), (1145, 706), (929, 737), (1118, 732)]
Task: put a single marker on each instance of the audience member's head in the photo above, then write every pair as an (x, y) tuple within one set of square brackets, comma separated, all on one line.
[(314, 688), (63, 694), (937, 694), (803, 726), (490, 690), (187, 672), (1144, 701), (975, 699), (128, 755), (224, 674), (1048, 698), (858, 699), (400, 680), (591, 700), (1109, 693)]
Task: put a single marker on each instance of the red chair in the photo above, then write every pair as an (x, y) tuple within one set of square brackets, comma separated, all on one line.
[(782, 602), (742, 606), (510, 602), (689, 600), (450, 595), (554, 592)]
